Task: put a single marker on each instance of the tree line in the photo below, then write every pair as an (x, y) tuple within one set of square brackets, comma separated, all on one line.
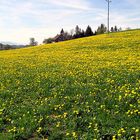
[(79, 33), (63, 36)]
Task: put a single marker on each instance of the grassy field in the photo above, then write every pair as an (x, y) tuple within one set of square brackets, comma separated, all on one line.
[(84, 89)]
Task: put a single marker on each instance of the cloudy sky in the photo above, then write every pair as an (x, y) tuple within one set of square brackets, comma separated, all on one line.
[(23, 19)]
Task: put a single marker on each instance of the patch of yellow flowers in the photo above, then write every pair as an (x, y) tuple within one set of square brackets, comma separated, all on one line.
[(37, 85)]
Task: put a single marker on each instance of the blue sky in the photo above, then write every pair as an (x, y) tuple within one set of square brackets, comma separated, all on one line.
[(22, 19)]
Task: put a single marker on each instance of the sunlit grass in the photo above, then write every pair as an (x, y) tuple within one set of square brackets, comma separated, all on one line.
[(85, 89)]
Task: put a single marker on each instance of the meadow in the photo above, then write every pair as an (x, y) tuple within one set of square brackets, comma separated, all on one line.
[(83, 89)]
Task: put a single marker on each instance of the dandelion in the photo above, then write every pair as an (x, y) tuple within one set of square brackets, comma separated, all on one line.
[(74, 134), (67, 134), (75, 112), (39, 130), (65, 114), (137, 130), (119, 134), (58, 124), (114, 138)]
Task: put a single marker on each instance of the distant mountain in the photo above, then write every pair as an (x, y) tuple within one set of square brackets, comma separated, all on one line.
[(13, 44), (8, 43)]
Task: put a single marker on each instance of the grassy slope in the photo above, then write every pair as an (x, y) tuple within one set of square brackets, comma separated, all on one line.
[(87, 88)]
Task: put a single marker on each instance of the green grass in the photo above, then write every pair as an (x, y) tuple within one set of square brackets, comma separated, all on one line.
[(82, 89)]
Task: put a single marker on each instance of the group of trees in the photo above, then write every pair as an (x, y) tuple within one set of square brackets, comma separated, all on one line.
[(79, 33), (115, 29), (101, 29), (75, 33)]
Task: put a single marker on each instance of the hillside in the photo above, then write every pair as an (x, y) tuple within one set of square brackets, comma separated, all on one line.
[(83, 89)]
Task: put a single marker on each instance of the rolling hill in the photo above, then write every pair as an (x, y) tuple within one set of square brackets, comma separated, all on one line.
[(84, 89)]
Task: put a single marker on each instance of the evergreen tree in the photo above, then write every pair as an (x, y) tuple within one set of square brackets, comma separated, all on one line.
[(89, 31), (83, 33), (115, 29), (77, 32), (112, 29), (103, 28), (99, 30)]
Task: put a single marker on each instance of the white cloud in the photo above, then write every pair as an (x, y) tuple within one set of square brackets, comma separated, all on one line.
[(20, 20), (133, 2), (75, 4)]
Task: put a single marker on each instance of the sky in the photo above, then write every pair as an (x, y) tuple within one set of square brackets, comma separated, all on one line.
[(22, 19)]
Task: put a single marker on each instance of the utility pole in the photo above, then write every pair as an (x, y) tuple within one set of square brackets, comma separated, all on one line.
[(108, 1)]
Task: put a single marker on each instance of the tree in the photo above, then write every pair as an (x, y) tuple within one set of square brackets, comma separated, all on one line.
[(95, 33), (115, 28), (120, 29), (47, 41), (33, 42), (72, 32), (112, 29), (83, 33), (101, 29), (88, 31), (77, 32)]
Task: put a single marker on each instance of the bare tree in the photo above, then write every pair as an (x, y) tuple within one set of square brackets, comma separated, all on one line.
[(72, 32)]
